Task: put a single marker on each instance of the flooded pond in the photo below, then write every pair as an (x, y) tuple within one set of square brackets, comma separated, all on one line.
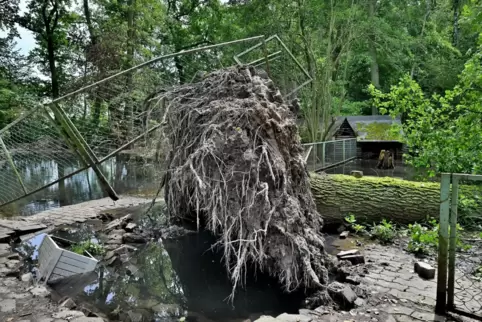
[(126, 177)]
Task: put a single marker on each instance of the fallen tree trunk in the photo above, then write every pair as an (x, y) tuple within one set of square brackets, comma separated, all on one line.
[(372, 199)]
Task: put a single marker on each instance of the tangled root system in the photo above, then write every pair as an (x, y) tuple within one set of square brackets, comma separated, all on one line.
[(236, 167)]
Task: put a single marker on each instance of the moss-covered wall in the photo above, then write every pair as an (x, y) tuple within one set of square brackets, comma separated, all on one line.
[(380, 131)]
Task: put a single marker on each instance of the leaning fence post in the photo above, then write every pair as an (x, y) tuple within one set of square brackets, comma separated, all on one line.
[(440, 306), (344, 151), (452, 241), (12, 164), (323, 151)]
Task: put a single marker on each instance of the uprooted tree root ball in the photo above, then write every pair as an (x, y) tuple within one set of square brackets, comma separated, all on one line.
[(236, 167)]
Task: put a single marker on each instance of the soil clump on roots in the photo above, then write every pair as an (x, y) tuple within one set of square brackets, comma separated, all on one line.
[(236, 168)]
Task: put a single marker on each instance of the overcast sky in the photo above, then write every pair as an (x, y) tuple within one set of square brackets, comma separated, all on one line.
[(25, 42)]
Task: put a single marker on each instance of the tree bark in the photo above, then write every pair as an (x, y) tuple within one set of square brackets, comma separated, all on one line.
[(372, 199), (374, 68)]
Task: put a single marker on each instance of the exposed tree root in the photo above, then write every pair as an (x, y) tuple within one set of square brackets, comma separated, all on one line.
[(236, 167)]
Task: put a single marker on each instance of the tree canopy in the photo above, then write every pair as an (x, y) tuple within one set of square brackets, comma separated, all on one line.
[(433, 47)]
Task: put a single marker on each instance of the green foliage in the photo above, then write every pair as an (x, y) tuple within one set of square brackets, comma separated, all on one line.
[(443, 132), (93, 248), (385, 232), (424, 238), (380, 131), (357, 228)]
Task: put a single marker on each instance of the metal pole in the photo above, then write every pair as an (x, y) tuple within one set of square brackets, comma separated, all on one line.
[(83, 148), (12, 164), (452, 242), (343, 150), (323, 152), (184, 52), (441, 301)]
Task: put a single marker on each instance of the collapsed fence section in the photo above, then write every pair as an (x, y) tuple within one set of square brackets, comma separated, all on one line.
[(459, 281), (324, 155), (119, 114)]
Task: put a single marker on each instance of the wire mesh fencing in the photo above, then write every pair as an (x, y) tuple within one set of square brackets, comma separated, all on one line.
[(116, 115), (323, 155), (459, 284)]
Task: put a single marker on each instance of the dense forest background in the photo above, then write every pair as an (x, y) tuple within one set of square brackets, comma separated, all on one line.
[(421, 59)]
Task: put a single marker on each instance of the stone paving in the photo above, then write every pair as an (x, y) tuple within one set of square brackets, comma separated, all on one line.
[(63, 216), (395, 292)]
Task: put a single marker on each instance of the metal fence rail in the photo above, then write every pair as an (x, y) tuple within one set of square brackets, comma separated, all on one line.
[(323, 155), (459, 282)]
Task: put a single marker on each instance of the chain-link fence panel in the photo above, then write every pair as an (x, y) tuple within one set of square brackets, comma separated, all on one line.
[(323, 155)]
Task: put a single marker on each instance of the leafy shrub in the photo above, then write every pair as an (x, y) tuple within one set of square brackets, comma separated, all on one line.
[(424, 238), (93, 248), (357, 228), (385, 231)]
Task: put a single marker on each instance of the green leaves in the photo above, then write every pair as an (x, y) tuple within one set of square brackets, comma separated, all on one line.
[(443, 132)]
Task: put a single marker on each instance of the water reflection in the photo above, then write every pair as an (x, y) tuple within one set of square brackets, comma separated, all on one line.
[(126, 177), (165, 281)]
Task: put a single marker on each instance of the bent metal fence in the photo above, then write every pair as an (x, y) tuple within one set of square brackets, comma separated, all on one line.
[(110, 115), (328, 154), (459, 281)]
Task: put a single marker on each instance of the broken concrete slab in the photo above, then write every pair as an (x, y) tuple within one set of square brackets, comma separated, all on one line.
[(348, 253), (355, 280), (354, 259), (266, 318), (67, 315), (40, 291), (134, 238), (87, 319), (342, 294), (130, 227), (26, 277), (285, 317), (424, 270), (344, 234)]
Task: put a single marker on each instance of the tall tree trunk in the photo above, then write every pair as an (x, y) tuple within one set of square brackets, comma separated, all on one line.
[(374, 68), (456, 8), (93, 45)]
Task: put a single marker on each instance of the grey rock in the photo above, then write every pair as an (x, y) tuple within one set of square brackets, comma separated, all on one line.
[(68, 315), (343, 294), (68, 303), (130, 227), (14, 256), (266, 318), (348, 253), (354, 259), (5, 250), (26, 277), (8, 306), (109, 255), (344, 234), (359, 302), (424, 270), (285, 317), (135, 316), (12, 264), (356, 173), (87, 319), (134, 238), (40, 291), (355, 280)]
